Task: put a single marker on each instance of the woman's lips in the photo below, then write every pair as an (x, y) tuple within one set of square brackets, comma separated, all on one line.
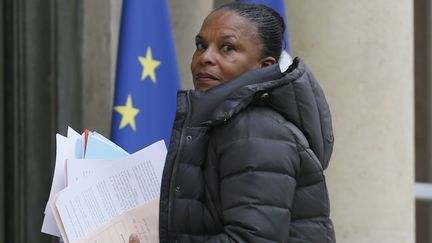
[(205, 77), (205, 81)]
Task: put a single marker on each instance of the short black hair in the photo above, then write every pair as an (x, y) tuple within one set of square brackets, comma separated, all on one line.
[(270, 25)]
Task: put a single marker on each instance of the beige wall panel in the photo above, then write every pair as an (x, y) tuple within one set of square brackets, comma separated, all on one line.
[(186, 19), (362, 52)]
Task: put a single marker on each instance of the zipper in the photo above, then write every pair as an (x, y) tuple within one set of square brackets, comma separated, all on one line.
[(176, 160)]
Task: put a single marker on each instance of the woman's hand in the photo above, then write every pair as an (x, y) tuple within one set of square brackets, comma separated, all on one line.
[(133, 238)]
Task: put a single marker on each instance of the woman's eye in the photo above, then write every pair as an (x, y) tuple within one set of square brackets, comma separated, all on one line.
[(199, 46), (227, 48)]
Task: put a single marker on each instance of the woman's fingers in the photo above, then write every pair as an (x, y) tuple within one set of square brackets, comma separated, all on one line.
[(133, 238)]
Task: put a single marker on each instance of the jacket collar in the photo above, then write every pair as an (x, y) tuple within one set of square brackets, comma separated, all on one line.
[(220, 103), (206, 104)]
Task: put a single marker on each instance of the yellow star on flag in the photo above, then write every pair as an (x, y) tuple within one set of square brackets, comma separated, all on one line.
[(149, 65), (128, 113)]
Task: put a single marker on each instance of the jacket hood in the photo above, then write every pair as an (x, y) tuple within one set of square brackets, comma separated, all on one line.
[(295, 94)]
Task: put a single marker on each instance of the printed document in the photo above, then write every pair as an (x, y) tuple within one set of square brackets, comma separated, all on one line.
[(95, 200), (141, 220)]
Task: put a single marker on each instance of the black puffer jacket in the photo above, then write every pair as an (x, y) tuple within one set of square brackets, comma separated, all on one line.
[(246, 162)]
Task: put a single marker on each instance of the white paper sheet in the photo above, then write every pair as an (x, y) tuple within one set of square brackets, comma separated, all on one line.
[(92, 202), (65, 148), (78, 169)]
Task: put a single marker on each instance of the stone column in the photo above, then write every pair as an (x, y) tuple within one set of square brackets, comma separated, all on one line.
[(100, 21), (362, 52), (423, 116)]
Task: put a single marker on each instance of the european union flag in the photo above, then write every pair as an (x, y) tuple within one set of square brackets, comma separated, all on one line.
[(279, 6), (146, 78)]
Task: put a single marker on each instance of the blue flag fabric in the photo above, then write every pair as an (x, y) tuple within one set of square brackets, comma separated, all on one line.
[(279, 6), (147, 78)]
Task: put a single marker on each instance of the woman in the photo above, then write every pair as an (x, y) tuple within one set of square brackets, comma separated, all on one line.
[(249, 146)]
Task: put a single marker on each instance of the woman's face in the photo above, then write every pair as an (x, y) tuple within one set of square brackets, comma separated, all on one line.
[(226, 46)]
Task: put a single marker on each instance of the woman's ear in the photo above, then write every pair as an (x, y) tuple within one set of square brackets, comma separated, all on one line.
[(267, 61)]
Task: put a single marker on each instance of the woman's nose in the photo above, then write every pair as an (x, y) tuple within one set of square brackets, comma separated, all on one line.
[(208, 56)]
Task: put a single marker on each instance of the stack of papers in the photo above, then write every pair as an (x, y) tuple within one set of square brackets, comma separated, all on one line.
[(100, 193)]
